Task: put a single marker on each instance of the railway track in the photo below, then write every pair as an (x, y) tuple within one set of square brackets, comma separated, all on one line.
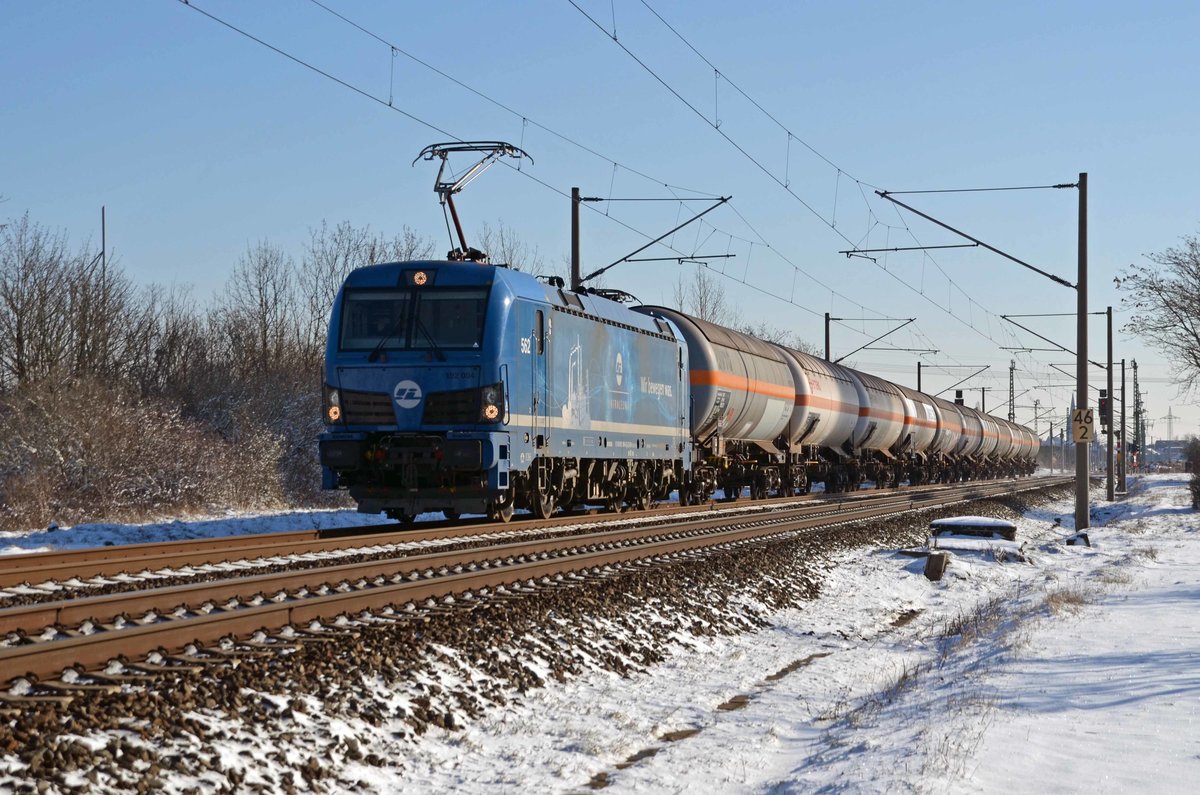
[(149, 630), (131, 559)]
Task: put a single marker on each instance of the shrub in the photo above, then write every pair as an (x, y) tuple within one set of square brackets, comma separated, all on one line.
[(85, 450)]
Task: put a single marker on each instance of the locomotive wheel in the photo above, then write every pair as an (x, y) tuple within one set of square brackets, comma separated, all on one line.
[(450, 514), (501, 510), (640, 500), (542, 505), (615, 503), (639, 491)]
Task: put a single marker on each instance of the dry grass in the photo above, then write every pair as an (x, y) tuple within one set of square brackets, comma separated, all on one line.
[(1068, 600), (1146, 553)]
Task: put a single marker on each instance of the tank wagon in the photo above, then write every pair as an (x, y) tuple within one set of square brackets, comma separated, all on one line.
[(467, 387)]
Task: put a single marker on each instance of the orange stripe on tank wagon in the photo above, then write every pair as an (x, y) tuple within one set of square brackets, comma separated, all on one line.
[(880, 414), (731, 381), (816, 401)]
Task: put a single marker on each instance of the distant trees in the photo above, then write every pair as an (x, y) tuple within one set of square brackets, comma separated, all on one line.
[(502, 244), (703, 296), (1164, 297), (119, 401)]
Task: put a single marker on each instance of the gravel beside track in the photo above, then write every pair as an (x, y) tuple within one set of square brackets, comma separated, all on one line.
[(383, 670)]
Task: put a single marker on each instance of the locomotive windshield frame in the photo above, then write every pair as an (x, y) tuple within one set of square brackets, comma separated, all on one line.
[(411, 318)]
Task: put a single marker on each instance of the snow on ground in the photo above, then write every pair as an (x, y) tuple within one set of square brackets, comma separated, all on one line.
[(233, 523), (1076, 671), (1032, 666)]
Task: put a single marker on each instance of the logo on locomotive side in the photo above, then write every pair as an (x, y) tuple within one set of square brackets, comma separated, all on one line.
[(620, 369), (407, 394)]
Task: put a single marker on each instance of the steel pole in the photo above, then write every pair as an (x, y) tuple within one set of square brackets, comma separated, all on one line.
[(1082, 517), (576, 272), (1112, 426), (826, 336), (1124, 443)]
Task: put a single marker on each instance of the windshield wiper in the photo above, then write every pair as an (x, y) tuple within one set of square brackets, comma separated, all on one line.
[(391, 332), (441, 357)]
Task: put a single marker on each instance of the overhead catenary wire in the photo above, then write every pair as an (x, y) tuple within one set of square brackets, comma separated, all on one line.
[(784, 183), (390, 104), (616, 165)]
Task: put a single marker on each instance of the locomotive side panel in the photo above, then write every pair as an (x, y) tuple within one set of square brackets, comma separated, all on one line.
[(616, 385)]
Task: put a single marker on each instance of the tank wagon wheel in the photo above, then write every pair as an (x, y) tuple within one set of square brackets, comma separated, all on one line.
[(501, 509)]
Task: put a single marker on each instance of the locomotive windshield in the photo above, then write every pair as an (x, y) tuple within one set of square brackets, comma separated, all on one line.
[(449, 318)]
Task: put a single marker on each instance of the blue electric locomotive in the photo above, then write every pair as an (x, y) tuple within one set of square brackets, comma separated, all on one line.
[(464, 387)]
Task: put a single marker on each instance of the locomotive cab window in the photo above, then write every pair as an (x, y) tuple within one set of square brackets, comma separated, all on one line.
[(413, 319), (450, 318), (374, 317), (539, 332)]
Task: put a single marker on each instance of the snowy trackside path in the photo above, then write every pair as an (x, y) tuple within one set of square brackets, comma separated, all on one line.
[(1110, 702), (1077, 671)]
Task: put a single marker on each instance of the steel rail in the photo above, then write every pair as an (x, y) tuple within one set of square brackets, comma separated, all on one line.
[(39, 567), (49, 658), (170, 599)]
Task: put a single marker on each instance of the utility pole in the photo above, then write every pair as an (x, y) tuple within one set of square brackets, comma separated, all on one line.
[(827, 319), (1111, 429), (1050, 444), (1139, 439), (1082, 508), (918, 374), (576, 271), (1012, 400), (1121, 485)]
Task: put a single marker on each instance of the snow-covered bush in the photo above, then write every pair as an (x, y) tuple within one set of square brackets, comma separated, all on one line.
[(88, 450)]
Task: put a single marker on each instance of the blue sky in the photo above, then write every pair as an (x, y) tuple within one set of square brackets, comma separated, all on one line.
[(199, 141)]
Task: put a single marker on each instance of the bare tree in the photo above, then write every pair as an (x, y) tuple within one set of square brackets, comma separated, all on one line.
[(780, 336), (503, 245), (100, 300), (168, 348), (35, 328), (329, 256), (253, 318), (702, 297), (1165, 300)]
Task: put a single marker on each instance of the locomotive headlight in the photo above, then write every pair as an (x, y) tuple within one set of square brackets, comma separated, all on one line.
[(491, 406), (333, 404)]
